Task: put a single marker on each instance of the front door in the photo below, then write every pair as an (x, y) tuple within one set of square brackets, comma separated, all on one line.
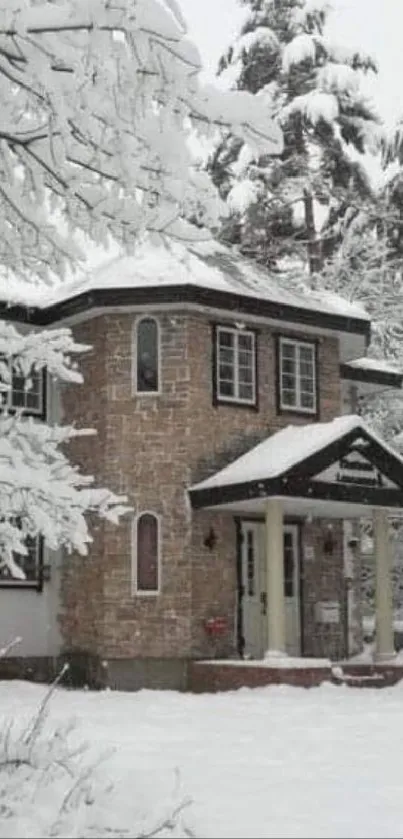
[(254, 595)]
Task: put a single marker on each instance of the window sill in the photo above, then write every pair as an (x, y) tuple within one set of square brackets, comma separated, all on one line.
[(138, 394), (235, 403), (23, 586), (299, 412), (25, 412)]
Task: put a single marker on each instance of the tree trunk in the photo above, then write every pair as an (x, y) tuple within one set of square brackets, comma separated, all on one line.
[(314, 248)]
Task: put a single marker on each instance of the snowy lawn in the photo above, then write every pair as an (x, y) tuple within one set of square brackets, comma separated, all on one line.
[(281, 761)]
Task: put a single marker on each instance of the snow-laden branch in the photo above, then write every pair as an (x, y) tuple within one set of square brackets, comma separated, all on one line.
[(53, 349), (41, 492), (98, 102)]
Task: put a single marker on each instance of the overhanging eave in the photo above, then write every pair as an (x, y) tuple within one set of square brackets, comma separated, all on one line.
[(352, 494)]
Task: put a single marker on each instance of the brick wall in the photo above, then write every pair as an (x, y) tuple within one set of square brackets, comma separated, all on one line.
[(153, 448)]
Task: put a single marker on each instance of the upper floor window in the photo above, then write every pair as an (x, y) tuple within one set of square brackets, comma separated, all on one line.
[(147, 356), (236, 365), (25, 393), (27, 570), (146, 554), (297, 372)]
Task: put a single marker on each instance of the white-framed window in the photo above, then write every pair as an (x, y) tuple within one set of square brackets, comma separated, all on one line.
[(146, 553), (297, 372), (236, 365), (31, 564), (25, 394), (146, 356)]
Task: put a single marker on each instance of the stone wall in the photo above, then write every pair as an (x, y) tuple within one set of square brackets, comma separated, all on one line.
[(153, 447)]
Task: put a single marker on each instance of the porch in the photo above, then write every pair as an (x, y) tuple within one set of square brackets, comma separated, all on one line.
[(338, 472)]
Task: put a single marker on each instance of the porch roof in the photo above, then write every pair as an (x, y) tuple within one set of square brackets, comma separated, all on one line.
[(342, 461)]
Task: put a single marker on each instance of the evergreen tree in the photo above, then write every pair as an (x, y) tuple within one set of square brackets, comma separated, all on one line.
[(280, 206)]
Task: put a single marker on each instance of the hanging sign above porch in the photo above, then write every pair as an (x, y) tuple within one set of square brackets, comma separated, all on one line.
[(353, 467)]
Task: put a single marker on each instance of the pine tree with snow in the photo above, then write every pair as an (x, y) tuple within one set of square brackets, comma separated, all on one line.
[(280, 206)]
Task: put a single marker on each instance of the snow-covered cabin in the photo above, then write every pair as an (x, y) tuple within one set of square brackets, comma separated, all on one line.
[(224, 407)]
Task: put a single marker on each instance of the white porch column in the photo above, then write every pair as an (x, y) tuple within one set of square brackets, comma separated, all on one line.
[(384, 637), (274, 543)]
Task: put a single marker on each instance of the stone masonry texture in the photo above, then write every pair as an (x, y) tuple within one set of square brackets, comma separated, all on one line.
[(153, 447)]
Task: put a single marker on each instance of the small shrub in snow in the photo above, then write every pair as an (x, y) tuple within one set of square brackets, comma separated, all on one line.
[(53, 783), (48, 780)]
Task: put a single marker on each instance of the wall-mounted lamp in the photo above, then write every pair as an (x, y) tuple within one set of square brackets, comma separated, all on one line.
[(211, 539)]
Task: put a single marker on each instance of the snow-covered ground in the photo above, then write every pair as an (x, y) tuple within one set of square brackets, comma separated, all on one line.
[(280, 761)]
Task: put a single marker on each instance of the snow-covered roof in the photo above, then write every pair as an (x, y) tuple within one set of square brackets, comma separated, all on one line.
[(286, 449), (157, 262), (372, 374), (376, 364)]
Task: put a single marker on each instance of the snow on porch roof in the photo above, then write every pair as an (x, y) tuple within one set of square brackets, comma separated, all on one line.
[(286, 449)]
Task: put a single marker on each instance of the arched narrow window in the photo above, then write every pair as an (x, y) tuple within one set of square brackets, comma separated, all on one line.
[(147, 356), (146, 554)]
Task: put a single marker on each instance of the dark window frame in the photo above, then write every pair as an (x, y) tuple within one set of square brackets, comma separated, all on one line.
[(29, 585), (135, 356), (136, 589), (40, 413), (292, 410), (236, 401)]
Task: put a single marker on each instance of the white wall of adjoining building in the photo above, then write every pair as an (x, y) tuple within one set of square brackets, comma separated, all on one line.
[(32, 615), (27, 613)]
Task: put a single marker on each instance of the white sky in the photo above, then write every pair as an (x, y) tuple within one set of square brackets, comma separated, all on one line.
[(372, 26)]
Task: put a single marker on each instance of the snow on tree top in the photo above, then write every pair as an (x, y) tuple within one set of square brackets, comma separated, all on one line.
[(338, 77), (317, 105), (311, 8), (300, 49), (262, 35)]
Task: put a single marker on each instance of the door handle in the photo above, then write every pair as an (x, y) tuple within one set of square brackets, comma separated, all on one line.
[(263, 602)]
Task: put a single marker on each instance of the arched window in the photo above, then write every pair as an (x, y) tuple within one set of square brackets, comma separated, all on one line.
[(146, 554), (147, 356)]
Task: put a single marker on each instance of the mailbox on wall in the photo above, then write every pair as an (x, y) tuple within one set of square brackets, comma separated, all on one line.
[(327, 611)]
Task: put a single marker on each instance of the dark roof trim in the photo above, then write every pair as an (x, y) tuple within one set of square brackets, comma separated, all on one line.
[(239, 303), (312, 490), (298, 480), (385, 378)]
